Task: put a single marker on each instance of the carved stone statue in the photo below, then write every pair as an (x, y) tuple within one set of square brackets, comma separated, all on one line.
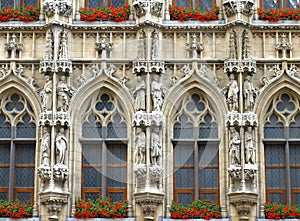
[(63, 49), (61, 144), (249, 146), (250, 93), (63, 93), (155, 45), (156, 147), (141, 53), (234, 146), (140, 94), (231, 93), (140, 145), (232, 45), (45, 147), (49, 45), (46, 94), (158, 94)]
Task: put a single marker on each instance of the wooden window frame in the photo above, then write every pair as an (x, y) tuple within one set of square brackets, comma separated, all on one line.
[(278, 2), (197, 2), (86, 3)]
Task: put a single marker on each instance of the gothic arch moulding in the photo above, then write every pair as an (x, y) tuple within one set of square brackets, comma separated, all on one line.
[(14, 84)]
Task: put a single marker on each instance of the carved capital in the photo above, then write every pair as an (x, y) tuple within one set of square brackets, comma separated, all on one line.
[(61, 7)]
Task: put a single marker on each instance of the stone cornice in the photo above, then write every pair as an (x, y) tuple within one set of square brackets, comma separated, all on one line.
[(165, 26)]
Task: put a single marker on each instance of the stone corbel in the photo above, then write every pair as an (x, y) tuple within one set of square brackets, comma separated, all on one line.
[(61, 7)]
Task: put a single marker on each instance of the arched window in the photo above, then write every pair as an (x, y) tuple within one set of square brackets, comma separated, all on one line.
[(17, 148), (196, 148), (282, 152), (104, 150)]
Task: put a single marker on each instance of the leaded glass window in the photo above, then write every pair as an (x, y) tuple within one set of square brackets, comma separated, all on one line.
[(97, 3), (18, 3), (203, 5), (104, 149), (274, 4), (196, 147), (282, 152), (17, 148)]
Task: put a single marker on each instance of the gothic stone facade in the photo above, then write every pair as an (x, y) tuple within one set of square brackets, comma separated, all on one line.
[(151, 110)]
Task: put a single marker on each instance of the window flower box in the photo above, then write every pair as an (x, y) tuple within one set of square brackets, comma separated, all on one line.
[(100, 208), (105, 13), (193, 13), (278, 211), (274, 15), (196, 210), (25, 14), (15, 209)]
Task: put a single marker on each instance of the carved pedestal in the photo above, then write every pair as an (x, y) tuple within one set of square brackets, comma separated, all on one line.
[(243, 203)]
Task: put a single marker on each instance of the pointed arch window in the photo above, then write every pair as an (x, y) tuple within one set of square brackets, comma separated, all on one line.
[(195, 148), (282, 152), (17, 148), (104, 150)]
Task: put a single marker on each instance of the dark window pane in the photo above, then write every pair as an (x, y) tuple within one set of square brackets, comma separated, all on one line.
[(116, 196), (26, 129), (184, 155), (274, 129), (24, 177), (30, 2), (25, 154), (91, 177), (116, 130), (295, 177), (183, 129), (209, 196), (116, 177), (274, 154), (205, 5), (294, 154), (275, 178), (294, 129), (277, 197), (116, 154), (184, 178), (208, 178), (92, 154), (94, 3), (5, 128), (292, 3), (3, 196), (4, 177), (296, 198), (91, 196), (184, 198), (5, 153), (117, 3), (182, 2), (92, 129), (23, 196), (7, 3), (208, 155), (270, 4)]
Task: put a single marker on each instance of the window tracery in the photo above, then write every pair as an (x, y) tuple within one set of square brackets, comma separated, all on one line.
[(281, 141)]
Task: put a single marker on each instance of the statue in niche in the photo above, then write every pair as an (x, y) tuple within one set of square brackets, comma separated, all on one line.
[(155, 45), (140, 94), (63, 49), (45, 147), (140, 145), (234, 146), (63, 94), (250, 93), (156, 147), (49, 45), (246, 45), (249, 146), (158, 93), (142, 46), (231, 92), (232, 46), (46, 94), (61, 144)]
